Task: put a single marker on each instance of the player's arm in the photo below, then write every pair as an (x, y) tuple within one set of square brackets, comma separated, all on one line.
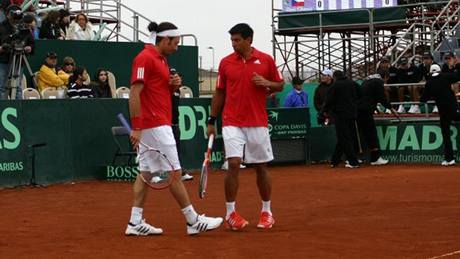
[(217, 104), (135, 111)]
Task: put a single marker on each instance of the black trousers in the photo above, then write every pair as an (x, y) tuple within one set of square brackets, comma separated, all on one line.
[(344, 131), (446, 122), (366, 134)]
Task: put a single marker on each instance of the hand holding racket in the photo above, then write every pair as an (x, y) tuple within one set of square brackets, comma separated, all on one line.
[(161, 176), (205, 169)]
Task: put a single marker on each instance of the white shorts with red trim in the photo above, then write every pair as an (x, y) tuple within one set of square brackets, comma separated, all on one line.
[(252, 144), (162, 139)]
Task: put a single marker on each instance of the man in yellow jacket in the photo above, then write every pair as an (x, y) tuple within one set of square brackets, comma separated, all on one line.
[(47, 76)]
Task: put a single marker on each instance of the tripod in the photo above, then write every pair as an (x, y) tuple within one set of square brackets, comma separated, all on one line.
[(13, 85)]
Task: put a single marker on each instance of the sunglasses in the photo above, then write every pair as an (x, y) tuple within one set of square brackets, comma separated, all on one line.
[(447, 58)]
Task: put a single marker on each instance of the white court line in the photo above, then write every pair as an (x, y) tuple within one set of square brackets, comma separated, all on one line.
[(445, 255)]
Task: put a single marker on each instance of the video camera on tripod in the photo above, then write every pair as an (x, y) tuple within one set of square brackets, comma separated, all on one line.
[(17, 45)]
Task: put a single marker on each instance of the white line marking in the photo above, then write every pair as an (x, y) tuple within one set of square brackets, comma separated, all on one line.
[(445, 255)]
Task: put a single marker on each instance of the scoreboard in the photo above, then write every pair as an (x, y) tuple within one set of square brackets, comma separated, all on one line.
[(322, 5)]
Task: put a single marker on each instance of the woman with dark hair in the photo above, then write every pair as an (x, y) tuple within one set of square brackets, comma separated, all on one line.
[(100, 84), (64, 21), (77, 88), (50, 27)]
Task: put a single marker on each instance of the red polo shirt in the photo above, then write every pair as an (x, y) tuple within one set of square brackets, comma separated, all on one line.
[(151, 68), (245, 104)]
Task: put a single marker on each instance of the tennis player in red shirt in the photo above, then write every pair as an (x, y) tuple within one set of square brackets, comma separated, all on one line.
[(246, 78), (151, 112)]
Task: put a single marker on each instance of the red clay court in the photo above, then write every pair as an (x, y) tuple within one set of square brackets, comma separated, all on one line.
[(396, 211)]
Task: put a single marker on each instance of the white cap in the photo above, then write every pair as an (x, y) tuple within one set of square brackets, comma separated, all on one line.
[(435, 69), (327, 72)]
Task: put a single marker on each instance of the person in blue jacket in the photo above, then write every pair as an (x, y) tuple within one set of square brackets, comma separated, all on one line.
[(297, 97)]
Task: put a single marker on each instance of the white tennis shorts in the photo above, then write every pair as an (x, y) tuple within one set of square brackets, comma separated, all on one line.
[(252, 144), (162, 139)]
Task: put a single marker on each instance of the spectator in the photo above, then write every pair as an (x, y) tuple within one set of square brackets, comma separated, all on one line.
[(80, 28), (50, 27), (390, 92), (77, 88), (48, 76), (406, 75), (321, 90), (31, 22), (67, 69), (297, 97), (7, 28), (100, 84), (64, 22), (424, 68)]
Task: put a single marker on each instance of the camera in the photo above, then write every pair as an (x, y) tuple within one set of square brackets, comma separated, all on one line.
[(18, 39)]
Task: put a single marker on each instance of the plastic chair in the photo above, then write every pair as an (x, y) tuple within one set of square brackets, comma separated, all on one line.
[(30, 94), (50, 93), (186, 92), (122, 92)]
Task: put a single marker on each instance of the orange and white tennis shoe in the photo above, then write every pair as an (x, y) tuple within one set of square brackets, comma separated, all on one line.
[(266, 220), (236, 222)]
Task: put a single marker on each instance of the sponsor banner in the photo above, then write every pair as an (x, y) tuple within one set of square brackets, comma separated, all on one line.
[(12, 156), (321, 5), (288, 123), (415, 143)]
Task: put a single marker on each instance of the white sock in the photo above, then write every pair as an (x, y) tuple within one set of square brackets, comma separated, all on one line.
[(230, 208), (190, 214), (266, 206), (136, 215)]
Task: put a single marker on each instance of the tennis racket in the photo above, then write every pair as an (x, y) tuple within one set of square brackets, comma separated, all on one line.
[(160, 177), (205, 168)]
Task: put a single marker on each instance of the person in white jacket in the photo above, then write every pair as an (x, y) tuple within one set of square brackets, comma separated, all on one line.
[(80, 28)]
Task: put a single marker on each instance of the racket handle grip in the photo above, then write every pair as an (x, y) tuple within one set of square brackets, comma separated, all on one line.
[(210, 141), (124, 122)]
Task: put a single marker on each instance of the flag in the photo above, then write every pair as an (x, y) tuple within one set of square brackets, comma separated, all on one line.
[(297, 3)]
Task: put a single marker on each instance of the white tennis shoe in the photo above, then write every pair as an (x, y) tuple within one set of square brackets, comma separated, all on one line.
[(448, 163), (203, 224), (142, 229), (380, 161)]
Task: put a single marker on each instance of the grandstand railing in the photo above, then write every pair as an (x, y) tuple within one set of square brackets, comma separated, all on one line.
[(113, 14)]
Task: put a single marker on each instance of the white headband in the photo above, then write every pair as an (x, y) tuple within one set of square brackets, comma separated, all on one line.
[(167, 33)]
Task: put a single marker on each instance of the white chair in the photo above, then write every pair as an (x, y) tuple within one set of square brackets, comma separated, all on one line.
[(186, 92), (50, 93), (123, 92), (30, 94)]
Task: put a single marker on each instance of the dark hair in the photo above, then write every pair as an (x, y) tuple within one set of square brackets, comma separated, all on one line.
[(383, 73), (339, 75), (77, 71), (243, 29), (96, 75), (52, 16), (164, 26), (64, 13)]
